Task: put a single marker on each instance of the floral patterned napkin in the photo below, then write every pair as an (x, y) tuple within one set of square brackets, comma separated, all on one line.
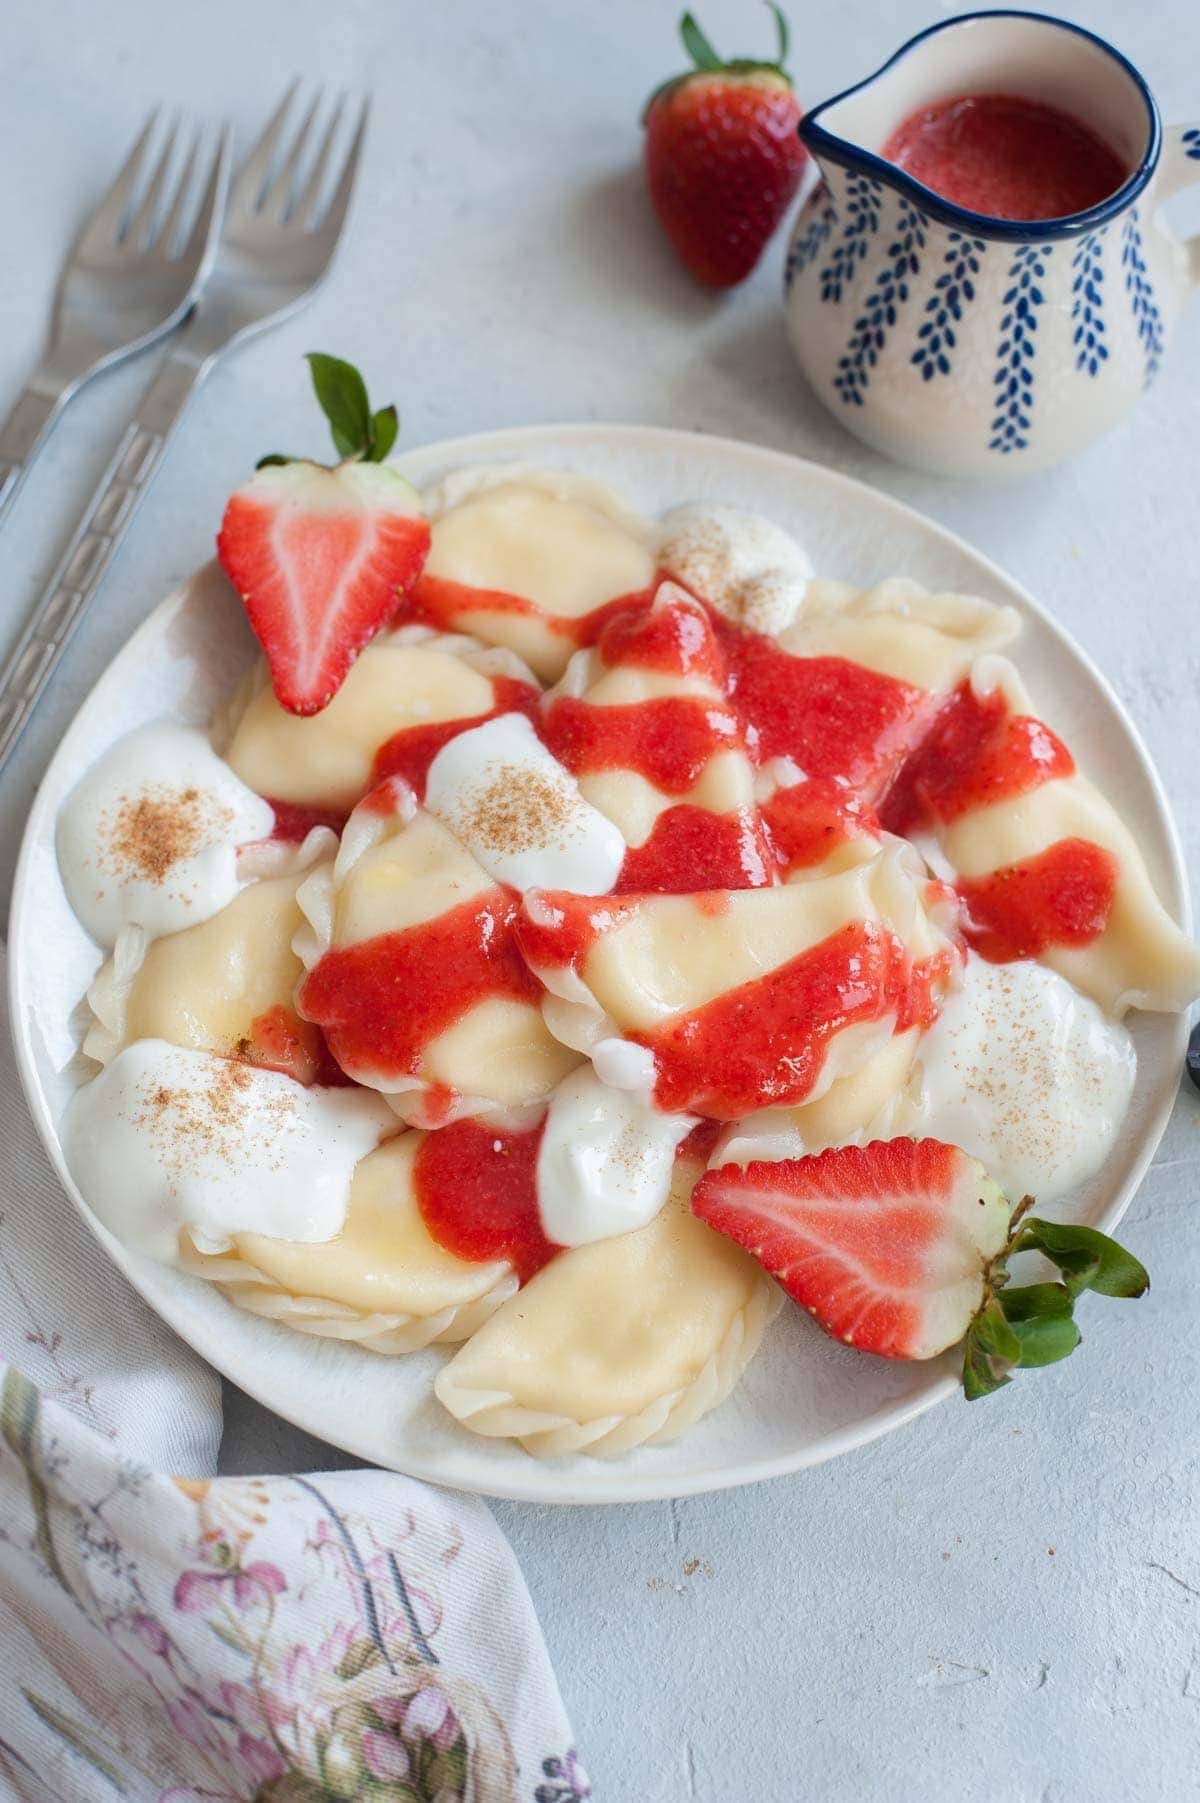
[(192, 1639)]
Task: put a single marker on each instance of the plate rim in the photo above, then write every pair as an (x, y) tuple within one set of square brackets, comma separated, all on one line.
[(623, 1486)]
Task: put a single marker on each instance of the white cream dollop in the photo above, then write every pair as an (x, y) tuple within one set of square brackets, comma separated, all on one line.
[(167, 1138), (1027, 1075), (605, 1161), (743, 563), (520, 813), (149, 838)]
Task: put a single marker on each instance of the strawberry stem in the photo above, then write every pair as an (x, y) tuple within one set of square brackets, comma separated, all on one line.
[(1033, 1324)]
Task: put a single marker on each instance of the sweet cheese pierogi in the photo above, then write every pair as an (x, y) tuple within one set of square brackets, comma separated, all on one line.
[(623, 850)]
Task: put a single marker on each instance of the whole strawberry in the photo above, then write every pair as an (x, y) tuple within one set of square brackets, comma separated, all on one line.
[(723, 160)]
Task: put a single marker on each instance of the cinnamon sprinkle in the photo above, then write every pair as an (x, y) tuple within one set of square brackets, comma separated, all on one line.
[(519, 810), (209, 1120), (154, 829)]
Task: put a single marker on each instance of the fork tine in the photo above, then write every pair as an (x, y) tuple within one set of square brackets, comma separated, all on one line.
[(276, 200), (256, 170), (335, 216), (140, 232), (105, 224), (174, 224), (212, 201), (309, 198)]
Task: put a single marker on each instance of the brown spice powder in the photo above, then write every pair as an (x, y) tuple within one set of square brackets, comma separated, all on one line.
[(152, 831), (519, 810)]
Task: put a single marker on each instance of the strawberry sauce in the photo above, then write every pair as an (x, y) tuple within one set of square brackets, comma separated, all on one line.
[(477, 1192), (690, 849), (976, 752), (810, 820), (294, 822), (668, 741), (409, 752), (1005, 156), (440, 601), (1063, 896), (381, 1002)]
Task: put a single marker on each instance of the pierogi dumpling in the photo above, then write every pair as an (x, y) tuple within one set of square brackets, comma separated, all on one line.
[(399, 686), (207, 986), (617, 1344), (1047, 868), (520, 557), (414, 973), (727, 1002), (900, 630), (384, 1282)]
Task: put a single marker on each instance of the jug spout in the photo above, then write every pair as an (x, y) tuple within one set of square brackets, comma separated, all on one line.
[(1024, 56)]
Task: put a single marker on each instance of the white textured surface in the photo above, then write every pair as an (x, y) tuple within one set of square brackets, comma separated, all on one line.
[(892, 1626)]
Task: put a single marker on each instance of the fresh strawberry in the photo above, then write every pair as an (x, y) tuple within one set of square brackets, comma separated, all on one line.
[(723, 160), (320, 556), (900, 1248)]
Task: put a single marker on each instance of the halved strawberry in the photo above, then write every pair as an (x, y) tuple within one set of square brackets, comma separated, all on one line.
[(322, 557), (900, 1248)]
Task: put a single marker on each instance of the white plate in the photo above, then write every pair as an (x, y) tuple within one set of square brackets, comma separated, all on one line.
[(805, 1398)]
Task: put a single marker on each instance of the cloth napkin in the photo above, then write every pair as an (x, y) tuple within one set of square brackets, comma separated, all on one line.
[(172, 1636)]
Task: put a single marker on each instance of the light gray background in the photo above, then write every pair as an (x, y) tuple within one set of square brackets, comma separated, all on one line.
[(998, 1604)]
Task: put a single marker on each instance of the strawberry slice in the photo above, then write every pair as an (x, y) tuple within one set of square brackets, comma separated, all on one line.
[(900, 1248), (322, 557)]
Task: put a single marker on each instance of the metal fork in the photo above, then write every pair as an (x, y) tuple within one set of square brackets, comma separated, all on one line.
[(276, 246), (134, 271)]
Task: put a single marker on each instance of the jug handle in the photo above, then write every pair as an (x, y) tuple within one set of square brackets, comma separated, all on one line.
[(1180, 168)]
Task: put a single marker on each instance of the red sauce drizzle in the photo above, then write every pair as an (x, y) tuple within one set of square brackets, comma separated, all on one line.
[(1006, 156), (382, 1001), (690, 849), (811, 819), (278, 1040), (294, 822), (976, 752), (672, 634), (834, 717), (668, 741), (477, 1192), (557, 928), (763, 1044), (409, 752), (1063, 896), (442, 602)]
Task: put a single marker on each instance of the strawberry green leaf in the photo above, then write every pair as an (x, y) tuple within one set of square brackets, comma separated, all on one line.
[(276, 457), (343, 397), (697, 45), (992, 1333), (781, 27), (1044, 1339), (384, 426), (1035, 1301), (978, 1377), (1087, 1258)]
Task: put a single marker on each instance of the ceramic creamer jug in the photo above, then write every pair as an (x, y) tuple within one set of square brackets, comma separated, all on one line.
[(978, 346)]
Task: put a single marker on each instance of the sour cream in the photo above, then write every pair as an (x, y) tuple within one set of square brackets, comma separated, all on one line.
[(1026, 1074), (605, 1162), (149, 838), (743, 563), (520, 813), (167, 1138)]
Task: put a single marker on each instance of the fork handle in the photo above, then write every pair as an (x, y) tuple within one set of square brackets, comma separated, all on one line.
[(26, 430), (84, 563)]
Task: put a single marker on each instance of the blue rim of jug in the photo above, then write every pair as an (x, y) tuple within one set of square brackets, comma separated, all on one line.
[(1066, 225)]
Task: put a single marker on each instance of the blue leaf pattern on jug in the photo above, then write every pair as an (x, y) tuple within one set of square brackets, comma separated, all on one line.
[(1191, 143), (1087, 304), (1140, 290), (810, 240), (878, 316), (864, 199), (953, 289), (1014, 375)]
